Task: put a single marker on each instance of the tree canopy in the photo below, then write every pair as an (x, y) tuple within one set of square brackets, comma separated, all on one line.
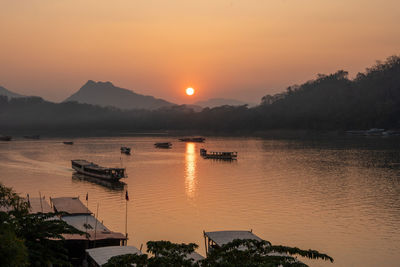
[(238, 253), (30, 239), (329, 102)]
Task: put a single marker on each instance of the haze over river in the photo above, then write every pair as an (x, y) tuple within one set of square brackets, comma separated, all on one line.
[(341, 197)]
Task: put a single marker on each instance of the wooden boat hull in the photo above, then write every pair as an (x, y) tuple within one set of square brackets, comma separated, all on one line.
[(218, 155), (163, 145), (100, 176), (193, 139), (90, 169), (126, 150), (5, 138)]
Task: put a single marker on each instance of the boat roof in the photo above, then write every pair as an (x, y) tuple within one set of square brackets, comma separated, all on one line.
[(37, 207), (103, 254), (224, 237), (92, 165), (79, 222), (71, 205)]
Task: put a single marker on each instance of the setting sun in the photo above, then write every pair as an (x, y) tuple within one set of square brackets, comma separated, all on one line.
[(189, 91)]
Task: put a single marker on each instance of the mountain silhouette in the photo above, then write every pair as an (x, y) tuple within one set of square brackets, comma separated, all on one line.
[(8, 93), (216, 102), (106, 94)]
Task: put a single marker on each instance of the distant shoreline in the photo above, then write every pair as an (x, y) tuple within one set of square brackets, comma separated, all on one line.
[(268, 134)]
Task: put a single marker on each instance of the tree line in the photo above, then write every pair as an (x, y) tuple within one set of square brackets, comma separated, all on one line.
[(329, 102)]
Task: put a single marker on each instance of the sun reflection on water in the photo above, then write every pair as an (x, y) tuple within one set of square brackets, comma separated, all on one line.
[(190, 170)]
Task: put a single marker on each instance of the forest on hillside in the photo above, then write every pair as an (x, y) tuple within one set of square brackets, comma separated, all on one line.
[(329, 102)]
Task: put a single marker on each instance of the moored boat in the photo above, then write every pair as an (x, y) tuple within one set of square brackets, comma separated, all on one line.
[(68, 143), (163, 145), (126, 150), (192, 139), (218, 155), (89, 168), (5, 138)]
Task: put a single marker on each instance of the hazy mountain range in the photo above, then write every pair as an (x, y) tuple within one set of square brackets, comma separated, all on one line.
[(105, 94), (9, 94), (331, 103)]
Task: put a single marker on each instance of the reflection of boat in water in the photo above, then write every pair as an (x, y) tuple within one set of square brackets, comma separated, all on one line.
[(193, 139), (126, 150), (68, 143), (218, 155), (34, 137), (5, 138), (91, 169), (114, 185), (163, 145)]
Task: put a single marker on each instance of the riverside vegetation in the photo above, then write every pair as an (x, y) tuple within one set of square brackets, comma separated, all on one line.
[(329, 102)]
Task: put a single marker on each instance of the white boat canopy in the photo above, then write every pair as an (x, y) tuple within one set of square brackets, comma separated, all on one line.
[(103, 254), (224, 237)]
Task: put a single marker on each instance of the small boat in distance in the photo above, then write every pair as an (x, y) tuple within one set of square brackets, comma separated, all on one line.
[(163, 145), (89, 168), (192, 139), (5, 138), (218, 155), (126, 150), (68, 143), (35, 137)]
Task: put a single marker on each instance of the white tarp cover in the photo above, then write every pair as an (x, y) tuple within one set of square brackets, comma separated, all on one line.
[(103, 254), (223, 237)]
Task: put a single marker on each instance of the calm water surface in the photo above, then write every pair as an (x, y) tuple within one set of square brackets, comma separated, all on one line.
[(341, 197)]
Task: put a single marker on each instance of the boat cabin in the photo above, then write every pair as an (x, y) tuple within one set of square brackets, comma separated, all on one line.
[(80, 217), (92, 169), (218, 155)]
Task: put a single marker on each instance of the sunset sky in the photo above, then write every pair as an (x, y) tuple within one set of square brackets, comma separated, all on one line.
[(241, 49)]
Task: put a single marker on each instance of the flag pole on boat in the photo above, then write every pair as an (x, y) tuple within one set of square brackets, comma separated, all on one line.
[(29, 202), (87, 208), (126, 216), (41, 205)]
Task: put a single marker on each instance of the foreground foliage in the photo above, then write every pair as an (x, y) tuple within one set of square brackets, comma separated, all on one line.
[(30, 239), (248, 253), (164, 253), (238, 253)]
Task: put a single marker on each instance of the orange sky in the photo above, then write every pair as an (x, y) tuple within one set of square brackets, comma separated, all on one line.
[(240, 49)]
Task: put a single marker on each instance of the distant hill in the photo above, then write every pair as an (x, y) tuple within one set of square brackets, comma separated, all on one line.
[(216, 102), (8, 93), (106, 94), (330, 102)]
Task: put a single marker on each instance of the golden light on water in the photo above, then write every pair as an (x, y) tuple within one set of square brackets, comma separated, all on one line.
[(189, 91), (190, 170)]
